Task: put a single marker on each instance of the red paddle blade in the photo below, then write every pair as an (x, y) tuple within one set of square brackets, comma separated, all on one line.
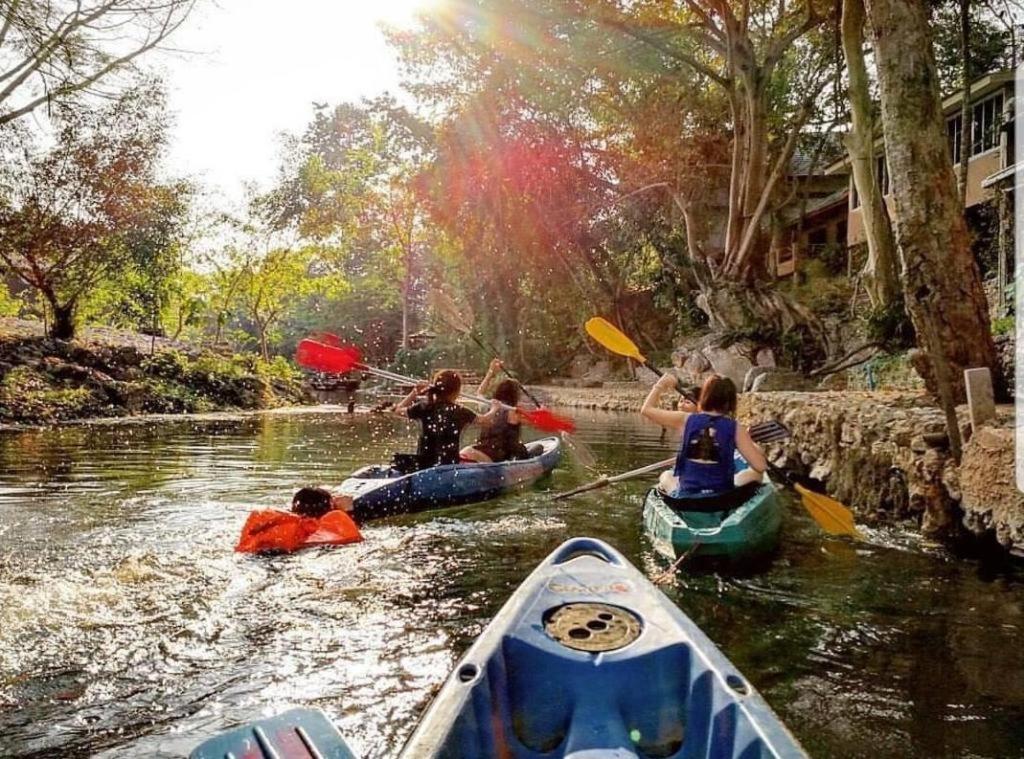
[(327, 358), (547, 420)]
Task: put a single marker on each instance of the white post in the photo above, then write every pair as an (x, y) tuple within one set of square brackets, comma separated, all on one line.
[(981, 401)]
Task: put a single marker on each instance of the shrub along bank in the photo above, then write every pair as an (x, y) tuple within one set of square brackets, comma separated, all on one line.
[(44, 381)]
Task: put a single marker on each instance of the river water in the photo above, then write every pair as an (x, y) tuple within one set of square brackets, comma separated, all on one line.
[(129, 628)]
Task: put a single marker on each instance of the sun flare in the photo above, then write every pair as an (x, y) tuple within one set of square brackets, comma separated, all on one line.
[(401, 12)]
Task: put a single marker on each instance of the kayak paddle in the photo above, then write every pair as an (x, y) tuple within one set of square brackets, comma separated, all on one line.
[(612, 338), (603, 482), (461, 321), (338, 359), (833, 517), (763, 432)]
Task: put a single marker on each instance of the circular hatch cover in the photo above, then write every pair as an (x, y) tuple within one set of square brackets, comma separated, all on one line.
[(592, 627)]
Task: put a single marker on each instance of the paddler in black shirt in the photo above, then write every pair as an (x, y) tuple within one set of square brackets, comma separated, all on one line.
[(442, 419)]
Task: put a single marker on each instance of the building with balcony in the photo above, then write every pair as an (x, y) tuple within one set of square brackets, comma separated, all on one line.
[(808, 227)]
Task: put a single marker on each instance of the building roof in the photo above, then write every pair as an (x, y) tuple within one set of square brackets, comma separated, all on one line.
[(979, 88), (794, 212)]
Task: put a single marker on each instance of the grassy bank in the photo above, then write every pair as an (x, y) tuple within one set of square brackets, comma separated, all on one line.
[(121, 374)]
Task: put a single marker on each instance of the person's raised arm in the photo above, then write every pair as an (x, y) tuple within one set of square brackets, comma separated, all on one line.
[(407, 401), (488, 418), (750, 450), (650, 410), (492, 371)]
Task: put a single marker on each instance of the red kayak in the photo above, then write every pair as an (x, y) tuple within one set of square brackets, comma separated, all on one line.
[(273, 531)]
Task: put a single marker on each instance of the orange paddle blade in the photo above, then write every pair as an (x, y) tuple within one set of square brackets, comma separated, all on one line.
[(327, 338), (547, 420), (320, 357)]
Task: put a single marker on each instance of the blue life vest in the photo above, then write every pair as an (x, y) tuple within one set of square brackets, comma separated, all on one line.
[(704, 463)]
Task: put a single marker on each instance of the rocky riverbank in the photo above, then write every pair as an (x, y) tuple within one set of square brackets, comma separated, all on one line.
[(114, 373), (885, 454)]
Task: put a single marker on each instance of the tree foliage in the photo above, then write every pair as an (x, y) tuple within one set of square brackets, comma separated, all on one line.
[(92, 205)]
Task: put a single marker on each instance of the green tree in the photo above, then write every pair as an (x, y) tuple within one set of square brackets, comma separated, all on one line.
[(697, 106), (74, 214), (272, 283), (140, 290), (347, 192)]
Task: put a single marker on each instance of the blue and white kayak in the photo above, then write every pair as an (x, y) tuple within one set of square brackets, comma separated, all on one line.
[(380, 491), (588, 659), (296, 734)]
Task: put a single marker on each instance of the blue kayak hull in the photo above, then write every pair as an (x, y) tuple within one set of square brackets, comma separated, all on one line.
[(378, 492), (627, 675)]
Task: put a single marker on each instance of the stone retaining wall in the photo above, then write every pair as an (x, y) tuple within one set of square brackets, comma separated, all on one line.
[(882, 454), (610, 397)]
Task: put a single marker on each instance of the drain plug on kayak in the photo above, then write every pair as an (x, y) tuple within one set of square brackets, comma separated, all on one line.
[(592, 627)]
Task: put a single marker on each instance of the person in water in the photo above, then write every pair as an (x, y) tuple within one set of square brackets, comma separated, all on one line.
[(315, 502), (499, 436), (442, 419), (710, 435)]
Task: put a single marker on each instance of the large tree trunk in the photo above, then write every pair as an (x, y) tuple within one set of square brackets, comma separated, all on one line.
[(882, 274), (63, 320), (941, 281)]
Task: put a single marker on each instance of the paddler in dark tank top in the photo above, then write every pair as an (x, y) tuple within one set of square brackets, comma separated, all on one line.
[(442, 419), (499, 435), (710, 435)]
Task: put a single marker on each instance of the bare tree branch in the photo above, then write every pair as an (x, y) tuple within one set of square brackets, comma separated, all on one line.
[(50, 50)]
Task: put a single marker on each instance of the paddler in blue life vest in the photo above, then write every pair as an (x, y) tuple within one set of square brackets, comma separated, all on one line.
[(710, 435)]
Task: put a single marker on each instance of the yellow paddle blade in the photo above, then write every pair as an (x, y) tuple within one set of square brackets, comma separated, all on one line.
[(612, 338), (832, 516)]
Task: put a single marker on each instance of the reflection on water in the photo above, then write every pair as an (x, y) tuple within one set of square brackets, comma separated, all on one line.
[(128, 627)]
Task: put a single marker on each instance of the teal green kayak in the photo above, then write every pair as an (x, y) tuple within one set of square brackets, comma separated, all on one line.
[(723, 526)]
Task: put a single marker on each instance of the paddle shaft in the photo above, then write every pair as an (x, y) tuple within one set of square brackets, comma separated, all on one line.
[(606, 481), (402, 379), (659, 374), (488, 348)]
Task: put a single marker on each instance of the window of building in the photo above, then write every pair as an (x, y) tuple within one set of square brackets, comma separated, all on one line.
[(986, 120), (988, 115)]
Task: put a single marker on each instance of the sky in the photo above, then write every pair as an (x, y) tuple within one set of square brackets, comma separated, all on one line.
[(246, 70)]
